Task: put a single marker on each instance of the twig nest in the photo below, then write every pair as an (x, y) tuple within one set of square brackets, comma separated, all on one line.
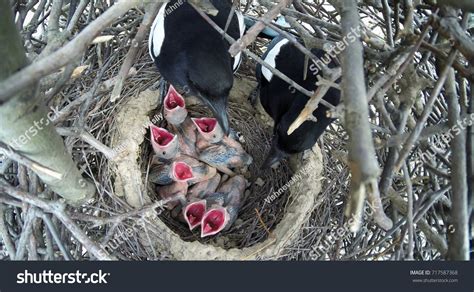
[(304, 187)]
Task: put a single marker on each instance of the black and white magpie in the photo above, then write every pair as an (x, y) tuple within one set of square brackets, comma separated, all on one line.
[(192, 56), (284, 104)]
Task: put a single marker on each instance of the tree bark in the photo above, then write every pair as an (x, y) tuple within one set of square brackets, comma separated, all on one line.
[(458, 237), (362, 159), (26, 126)]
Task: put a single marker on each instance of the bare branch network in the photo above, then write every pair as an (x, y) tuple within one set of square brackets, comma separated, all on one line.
[(398, 162)]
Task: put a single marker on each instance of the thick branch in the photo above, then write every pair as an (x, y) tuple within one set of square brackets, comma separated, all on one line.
[(362, 159), (71, 51), (458, 239)]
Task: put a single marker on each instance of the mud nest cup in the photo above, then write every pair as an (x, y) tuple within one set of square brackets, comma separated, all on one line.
[(275, 206)]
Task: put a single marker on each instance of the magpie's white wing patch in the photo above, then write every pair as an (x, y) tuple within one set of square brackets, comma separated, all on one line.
[(271, 59), (238, 57), (157, 33)]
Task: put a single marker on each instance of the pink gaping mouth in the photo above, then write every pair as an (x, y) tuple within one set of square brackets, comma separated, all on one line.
[(213, 222), (173, 99), (194, 212), (182, 171), (205, 125), (161, 136)]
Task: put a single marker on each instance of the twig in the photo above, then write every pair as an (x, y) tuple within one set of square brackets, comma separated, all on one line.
[(9, 245), (313, 103), (257, 28), (58, 209), (69, 52), (47, 220), (410, 228), (150, 15), (426, 112)]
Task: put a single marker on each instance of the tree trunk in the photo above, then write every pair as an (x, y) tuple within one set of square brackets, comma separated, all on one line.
[(26, 126)]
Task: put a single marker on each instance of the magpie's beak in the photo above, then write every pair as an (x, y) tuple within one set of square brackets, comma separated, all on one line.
[(219, 110), (274, 156)]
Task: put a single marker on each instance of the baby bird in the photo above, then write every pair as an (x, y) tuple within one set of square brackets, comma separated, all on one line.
[(201, 189), (219, 150), (174, 107), (160, 173), (224, 206), (181, 173), (164, 143), (186, 133), (180, 123), (197, 206), (201, 171)]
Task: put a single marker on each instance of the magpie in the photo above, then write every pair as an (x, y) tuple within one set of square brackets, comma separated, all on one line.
[(192, 56), (284, 104)]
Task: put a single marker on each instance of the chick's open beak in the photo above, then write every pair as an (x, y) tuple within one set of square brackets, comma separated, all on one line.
[(214, 221), (194, 212), (219, 110), (174, 107)]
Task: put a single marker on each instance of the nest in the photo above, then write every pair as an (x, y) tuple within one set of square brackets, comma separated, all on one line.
[(257, 218)]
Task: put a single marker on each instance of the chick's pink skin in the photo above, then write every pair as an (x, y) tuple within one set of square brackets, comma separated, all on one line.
[(174, 107), (221, 156), (201, 171), (164, 143), (186, 133), (201, 189), (176, 191), (233, 187), (160, 173)]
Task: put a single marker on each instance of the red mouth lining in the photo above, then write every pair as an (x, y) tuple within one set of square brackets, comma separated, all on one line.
[(213, 221), (161, 136), (183, 171), (206, 125), (194, 213), (173, 99)]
